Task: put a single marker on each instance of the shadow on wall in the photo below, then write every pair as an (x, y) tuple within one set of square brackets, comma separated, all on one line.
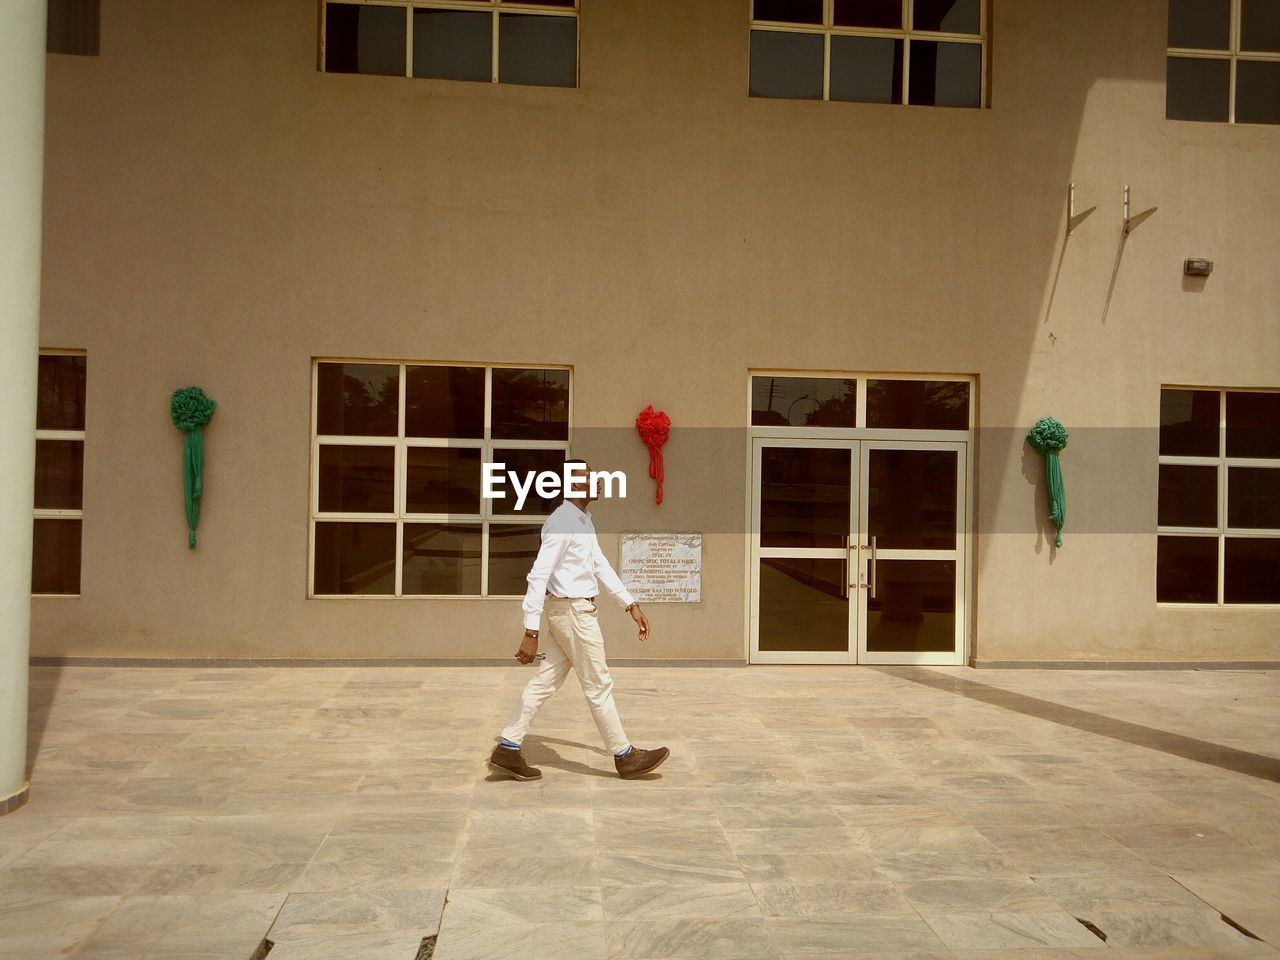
[(1033, 471)]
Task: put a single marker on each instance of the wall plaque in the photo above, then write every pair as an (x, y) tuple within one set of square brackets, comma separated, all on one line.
[(662, 567)]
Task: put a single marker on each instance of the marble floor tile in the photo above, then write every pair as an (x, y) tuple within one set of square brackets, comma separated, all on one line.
[(563, 940), (1168, 927), (1050, 928), (850, 937), (317, 916), (831, 900), (652, 901), (736, 938)]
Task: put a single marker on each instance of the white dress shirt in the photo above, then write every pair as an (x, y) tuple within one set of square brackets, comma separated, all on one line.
[(570, 563)]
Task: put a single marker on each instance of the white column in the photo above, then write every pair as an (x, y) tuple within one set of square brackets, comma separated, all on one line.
[(22, 62)]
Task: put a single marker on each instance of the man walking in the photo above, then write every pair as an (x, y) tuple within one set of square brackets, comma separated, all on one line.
[(565, 579)]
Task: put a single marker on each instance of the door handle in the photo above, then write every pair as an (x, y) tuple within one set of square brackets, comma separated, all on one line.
[(873, 568), (844, 569)]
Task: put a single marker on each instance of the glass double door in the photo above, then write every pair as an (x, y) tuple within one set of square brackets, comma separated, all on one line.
[(858, 551)]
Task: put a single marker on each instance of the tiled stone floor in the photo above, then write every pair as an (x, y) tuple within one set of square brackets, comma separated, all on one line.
[(923, 813)]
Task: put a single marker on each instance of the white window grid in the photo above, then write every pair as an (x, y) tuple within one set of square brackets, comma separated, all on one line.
[(495, 7), (486, 518), (1233, 54), (45, 513), (1221, 531), (828, 28)]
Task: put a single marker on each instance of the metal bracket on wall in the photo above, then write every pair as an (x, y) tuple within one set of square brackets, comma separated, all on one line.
[(1131, 222), (1075, 219)]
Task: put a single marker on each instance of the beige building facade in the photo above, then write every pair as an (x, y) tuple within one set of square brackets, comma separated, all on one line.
[(852, 313)]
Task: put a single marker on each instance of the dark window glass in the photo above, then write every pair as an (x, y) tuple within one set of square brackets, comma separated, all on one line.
[(804, 497), (912, 499), (1251, 570), (60, 393), (946, 16), (1253, 498), (543, 3), (73, 27), (787, 65), (442, 480), (530, 404), (364, 39), (883, 14), (1260, 25), (357, 399), (803, 402), (867, 69), (59, 474), (1197, 89), (355, 558), (804, 605), (788, 11), (1200, 24), (445, 402), (441, 559), (1257, 91), (453, 44), (512, 550), (918, 404), (1188, 496), (1187, 569), (914, 608), (1189, 423), (55, 558), (357, 479), (524, 462), (540, 51), (946, 74), (1253, 425)]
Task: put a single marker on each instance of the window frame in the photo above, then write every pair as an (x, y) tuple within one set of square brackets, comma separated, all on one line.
[(47, 513), (1221, 532), (1233, 54), (485, 518)]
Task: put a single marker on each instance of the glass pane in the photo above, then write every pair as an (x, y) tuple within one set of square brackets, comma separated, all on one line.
[(530, 404), (1258, 91), (355, 558), (364, 39), (357, 479), (803, 605), (453, 44), (1253, 425), (918, 404), (1260, 25), (524, 463), (441, 559), (914, 608), (442, 480), (1253, 498), (1189, 423), (59, 474), (803, 402), (788, 11), (542, 51), (787, 65), (444, 402), (512, 550), (72, 27), (60, 393), (912, 499), (804, 497), (55, 557), (1197, 89), (1200, 24), (1252, 570), (357, 399), (544, 3), (884, 14), (1187, 569), (867, 69), (1188, 496), (946, 74), (946, 16)]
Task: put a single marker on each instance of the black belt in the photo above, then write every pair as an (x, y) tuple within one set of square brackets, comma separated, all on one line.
[(554, 597)]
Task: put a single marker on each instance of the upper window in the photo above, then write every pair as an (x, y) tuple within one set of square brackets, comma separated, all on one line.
[(396, 462), (59, 493), (885, 403), (531, 42), (1219, 500), (73, 27), (1224, 61), (929, 52)]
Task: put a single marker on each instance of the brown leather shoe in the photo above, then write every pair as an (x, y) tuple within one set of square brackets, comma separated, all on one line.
[(511, 763), (639, 762)]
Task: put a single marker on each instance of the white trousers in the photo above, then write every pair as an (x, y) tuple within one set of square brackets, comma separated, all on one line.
[(577, 644)]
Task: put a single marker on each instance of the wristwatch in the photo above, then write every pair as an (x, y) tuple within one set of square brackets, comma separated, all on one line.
[(531, 633), (633, 603)]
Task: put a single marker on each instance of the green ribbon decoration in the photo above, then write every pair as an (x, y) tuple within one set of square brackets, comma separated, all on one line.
[(1048, 436), (190, 410)]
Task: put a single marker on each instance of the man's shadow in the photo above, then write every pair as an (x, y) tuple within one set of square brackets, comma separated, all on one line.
[(539, 753)]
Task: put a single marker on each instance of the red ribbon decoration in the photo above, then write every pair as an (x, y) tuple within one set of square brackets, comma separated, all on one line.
[(654, 428)]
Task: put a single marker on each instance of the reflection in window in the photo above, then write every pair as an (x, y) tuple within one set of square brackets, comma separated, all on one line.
[(73, 27), (357, 399), (530, 404), (804, 605), (355, 558), (804, 497), (914, 607), (803, 402), (442, 559), (918, 404), (1206, 62), (364, 39)]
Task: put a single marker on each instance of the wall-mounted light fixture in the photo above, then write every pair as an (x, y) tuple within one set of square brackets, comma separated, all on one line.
[(1197, 267)]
